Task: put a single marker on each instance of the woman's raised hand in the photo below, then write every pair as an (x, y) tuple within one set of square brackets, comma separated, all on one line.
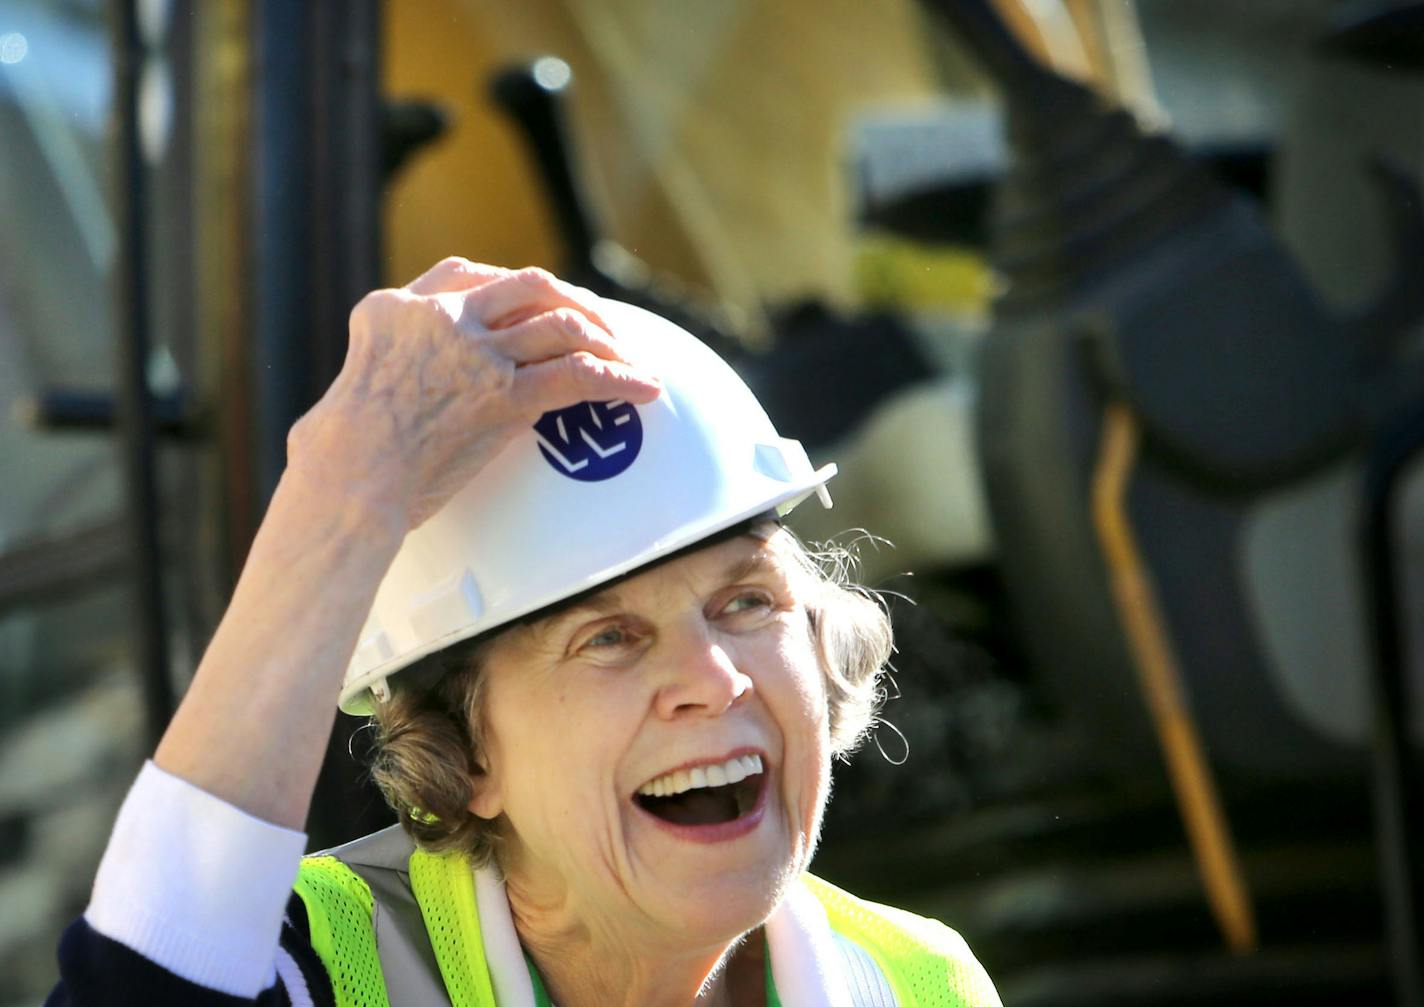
[(442, 372), (439, 375)]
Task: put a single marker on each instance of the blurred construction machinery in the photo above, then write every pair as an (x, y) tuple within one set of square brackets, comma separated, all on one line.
[(1108, 311)]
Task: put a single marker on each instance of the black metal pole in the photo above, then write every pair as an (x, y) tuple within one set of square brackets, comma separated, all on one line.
[(343, 247), (1398, 825), (534, 96), (136, 420), (282, 269), (315, 233), (991, 41)]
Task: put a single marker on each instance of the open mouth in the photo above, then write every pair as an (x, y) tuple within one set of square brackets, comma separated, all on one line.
[(705, 795)]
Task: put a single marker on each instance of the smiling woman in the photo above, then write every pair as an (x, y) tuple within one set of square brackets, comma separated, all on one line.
[(536, 536), (428, 739)]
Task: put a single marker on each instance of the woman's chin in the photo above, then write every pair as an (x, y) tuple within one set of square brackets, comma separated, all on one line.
[(721, 906)]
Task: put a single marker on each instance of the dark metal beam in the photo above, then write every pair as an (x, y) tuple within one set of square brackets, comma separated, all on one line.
[(315, 240), (136, 412), (76, 410)]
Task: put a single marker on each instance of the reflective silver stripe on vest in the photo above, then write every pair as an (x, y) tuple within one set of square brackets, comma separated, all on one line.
[(866, 984), (412, 974)]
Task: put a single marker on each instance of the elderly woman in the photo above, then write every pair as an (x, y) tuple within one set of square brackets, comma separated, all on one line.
[(538, 533)]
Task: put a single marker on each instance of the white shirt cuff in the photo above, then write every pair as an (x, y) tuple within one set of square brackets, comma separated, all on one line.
[(195, 885)]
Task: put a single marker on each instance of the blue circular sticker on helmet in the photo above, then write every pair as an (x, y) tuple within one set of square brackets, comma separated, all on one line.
[(591, 441)]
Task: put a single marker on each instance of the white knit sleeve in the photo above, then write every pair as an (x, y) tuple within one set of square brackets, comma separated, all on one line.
[(195, 885)]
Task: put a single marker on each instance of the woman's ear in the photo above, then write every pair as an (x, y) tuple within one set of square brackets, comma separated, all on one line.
[(486, 795)]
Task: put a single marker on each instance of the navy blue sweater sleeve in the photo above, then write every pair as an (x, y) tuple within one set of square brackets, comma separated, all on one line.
[(96, 971)]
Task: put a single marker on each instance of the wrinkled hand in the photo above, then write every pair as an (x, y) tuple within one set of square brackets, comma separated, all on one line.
[(440, 374)]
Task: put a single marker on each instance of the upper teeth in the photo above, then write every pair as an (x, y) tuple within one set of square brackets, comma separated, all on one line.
[(734, 770)]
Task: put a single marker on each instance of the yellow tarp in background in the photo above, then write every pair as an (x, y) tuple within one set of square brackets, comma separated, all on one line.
[(712, 133)]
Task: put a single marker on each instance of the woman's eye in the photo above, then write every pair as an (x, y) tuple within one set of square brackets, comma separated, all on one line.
[(610, 637), (748, 602)]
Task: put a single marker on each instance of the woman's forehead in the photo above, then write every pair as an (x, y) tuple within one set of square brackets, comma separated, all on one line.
[(758, 551), (754, 552)]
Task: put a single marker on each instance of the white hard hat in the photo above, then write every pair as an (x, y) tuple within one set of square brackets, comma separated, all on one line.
[(586, 494)]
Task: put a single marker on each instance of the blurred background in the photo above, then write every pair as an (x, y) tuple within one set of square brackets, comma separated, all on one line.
[(1109, 311)]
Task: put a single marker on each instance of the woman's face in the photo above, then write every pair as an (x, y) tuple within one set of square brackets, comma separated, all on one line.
[(610, 725)]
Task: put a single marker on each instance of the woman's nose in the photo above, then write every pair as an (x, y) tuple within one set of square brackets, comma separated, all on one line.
[(698, 676)]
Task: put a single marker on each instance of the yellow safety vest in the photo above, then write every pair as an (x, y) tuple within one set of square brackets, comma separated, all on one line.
[(380, 906)]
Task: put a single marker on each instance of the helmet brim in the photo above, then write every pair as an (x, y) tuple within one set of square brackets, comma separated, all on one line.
[(358, 699)]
